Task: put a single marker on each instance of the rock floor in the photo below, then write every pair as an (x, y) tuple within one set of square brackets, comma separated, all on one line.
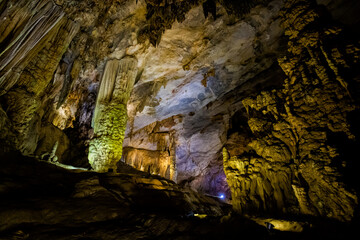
[(39, 200)]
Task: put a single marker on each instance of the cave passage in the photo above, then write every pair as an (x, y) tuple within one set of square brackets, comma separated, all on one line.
[(172, 119)]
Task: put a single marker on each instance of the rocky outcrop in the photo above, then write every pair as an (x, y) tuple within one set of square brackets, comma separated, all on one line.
[(108, 31), (294, 162), (34, 38), (39, 201), (186, 101), (53, 139)]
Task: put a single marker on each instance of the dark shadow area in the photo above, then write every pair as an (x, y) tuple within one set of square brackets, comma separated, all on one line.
[(39, 201)]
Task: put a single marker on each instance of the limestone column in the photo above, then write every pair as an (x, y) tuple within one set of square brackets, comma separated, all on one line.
[(110, 117)]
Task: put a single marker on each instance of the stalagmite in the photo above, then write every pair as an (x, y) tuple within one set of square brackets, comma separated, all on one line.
[(110, 117)]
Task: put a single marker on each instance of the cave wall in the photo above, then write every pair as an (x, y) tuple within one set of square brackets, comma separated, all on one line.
[(295, 162), (204, 87), (34, 36), (192, 84), (192, 74), (52, 57)]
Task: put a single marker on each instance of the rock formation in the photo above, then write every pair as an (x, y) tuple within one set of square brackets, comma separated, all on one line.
[(110, 115), (156, 154), (294, 164), (164, 86), (43, 201), (34, 36), (190, 98)]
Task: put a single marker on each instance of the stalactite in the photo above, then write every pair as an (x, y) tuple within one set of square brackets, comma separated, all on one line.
[(36, 42), (239, 7), (162, 14), (68, 78), (110, 117), (36, 25), (159, 154)]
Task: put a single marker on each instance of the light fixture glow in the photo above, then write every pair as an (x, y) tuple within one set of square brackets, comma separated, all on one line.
[(221, 196)]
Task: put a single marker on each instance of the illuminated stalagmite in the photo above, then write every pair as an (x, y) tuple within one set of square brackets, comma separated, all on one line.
[(294, 165), (110, 117)]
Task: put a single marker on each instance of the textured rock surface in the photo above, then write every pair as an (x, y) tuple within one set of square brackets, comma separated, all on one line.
[(40, 194), (154, 148), (36, 51), (194, 75), (187, 98), (110, 115), (295, 160), (34, 37)]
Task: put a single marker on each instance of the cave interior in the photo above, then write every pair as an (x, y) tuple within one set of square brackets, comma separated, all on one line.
[(174, 119)]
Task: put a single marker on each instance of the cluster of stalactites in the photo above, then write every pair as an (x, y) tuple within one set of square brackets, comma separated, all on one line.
[(161, 14), (33, 37), (25, 27), (110, 117)]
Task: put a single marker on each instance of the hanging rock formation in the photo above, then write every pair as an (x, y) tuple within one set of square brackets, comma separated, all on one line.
[(162, 14), (156, 154), (190, 98), (51, 54), (294, 162), (34, 36)]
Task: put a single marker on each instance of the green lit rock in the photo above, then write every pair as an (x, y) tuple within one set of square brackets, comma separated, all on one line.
[(110, 115), (106, 149)]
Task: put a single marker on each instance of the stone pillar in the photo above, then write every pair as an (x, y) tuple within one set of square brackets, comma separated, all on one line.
[(110, 117)]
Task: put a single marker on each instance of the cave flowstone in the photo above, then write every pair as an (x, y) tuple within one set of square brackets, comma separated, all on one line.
[(291, 166)]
